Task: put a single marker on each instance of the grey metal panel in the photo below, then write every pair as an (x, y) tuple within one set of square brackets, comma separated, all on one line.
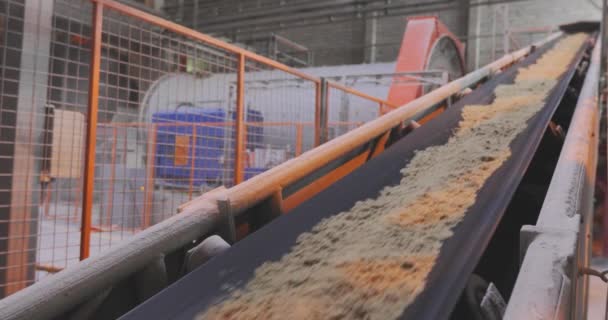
[(559, 245)]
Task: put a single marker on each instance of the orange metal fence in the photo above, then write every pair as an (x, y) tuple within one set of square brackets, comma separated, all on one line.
[(44, 70), (112, 118), (196, 160)]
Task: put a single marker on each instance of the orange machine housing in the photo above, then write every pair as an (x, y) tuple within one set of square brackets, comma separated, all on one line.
[(421, 36)]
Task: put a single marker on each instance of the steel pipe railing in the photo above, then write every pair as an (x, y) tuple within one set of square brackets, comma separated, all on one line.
[(243, 58), (77, 283), (252, 191)]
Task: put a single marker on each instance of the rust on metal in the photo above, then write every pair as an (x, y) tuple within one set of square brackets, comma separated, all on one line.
[(47, 268)]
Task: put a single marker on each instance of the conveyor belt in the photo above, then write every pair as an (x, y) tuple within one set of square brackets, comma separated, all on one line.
[(459, 254)]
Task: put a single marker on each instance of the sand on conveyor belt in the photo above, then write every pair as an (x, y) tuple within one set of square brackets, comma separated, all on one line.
[(372, 261)]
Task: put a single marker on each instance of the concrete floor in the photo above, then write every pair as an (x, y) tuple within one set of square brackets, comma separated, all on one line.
[(58, 234), (59, 240)]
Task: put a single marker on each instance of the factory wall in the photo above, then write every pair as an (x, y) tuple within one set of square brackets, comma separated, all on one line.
[(521, 15), (376, 36), (333, 40), (391, 29), (351, 42), (338, 43)]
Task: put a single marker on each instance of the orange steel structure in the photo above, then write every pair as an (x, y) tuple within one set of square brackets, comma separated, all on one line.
[(201, 215), (102, 66), (270, 184), (422, 36), (241, 64), (89, 169), (374, 136), (104, 39), (151, 165), (243, 56)]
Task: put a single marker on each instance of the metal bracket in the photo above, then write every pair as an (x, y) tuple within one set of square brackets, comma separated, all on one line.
[(547, 275), (592, 272), (529, 233), (324, 108), (227, 229), (557, 130)]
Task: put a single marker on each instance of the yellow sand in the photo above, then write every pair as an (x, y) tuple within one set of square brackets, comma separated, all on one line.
[(372, 261)]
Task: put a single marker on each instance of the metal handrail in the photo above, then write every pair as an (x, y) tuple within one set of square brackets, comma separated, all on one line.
[(250, 192), (66, 289), (242, 56)]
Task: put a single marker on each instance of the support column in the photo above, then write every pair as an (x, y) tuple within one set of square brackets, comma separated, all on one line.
[(25, 44), (604, 53), (473, 44), (370, 40)]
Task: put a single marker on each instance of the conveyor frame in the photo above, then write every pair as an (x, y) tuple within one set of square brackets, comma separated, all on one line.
[(83, 281), (550, 285), (458, 256)]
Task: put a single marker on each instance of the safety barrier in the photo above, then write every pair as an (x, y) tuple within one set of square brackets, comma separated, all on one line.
[(203, 216), (113, 117)]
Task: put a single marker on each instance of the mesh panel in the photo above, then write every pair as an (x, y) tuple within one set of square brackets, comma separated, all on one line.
[(165, 132)]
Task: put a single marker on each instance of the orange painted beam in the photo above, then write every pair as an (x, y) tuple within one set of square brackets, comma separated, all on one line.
[(89, 170), (240, 128)]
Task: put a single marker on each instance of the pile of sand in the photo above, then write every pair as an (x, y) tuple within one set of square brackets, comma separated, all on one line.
[(371, 261)]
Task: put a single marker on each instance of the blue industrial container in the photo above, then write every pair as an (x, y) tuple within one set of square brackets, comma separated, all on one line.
[(173, 158)]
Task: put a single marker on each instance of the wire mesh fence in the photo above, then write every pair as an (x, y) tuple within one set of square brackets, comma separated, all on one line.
[(164, 137), (281, 109), (44, 63), (175, 114), (348, 110)]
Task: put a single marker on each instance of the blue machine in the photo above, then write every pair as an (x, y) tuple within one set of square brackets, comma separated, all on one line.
[(174, 145)]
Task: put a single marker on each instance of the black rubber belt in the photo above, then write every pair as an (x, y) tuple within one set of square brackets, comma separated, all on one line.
[(458, 257)]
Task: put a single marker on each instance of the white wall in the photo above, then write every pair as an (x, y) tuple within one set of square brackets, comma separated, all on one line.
[(523, 15)]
